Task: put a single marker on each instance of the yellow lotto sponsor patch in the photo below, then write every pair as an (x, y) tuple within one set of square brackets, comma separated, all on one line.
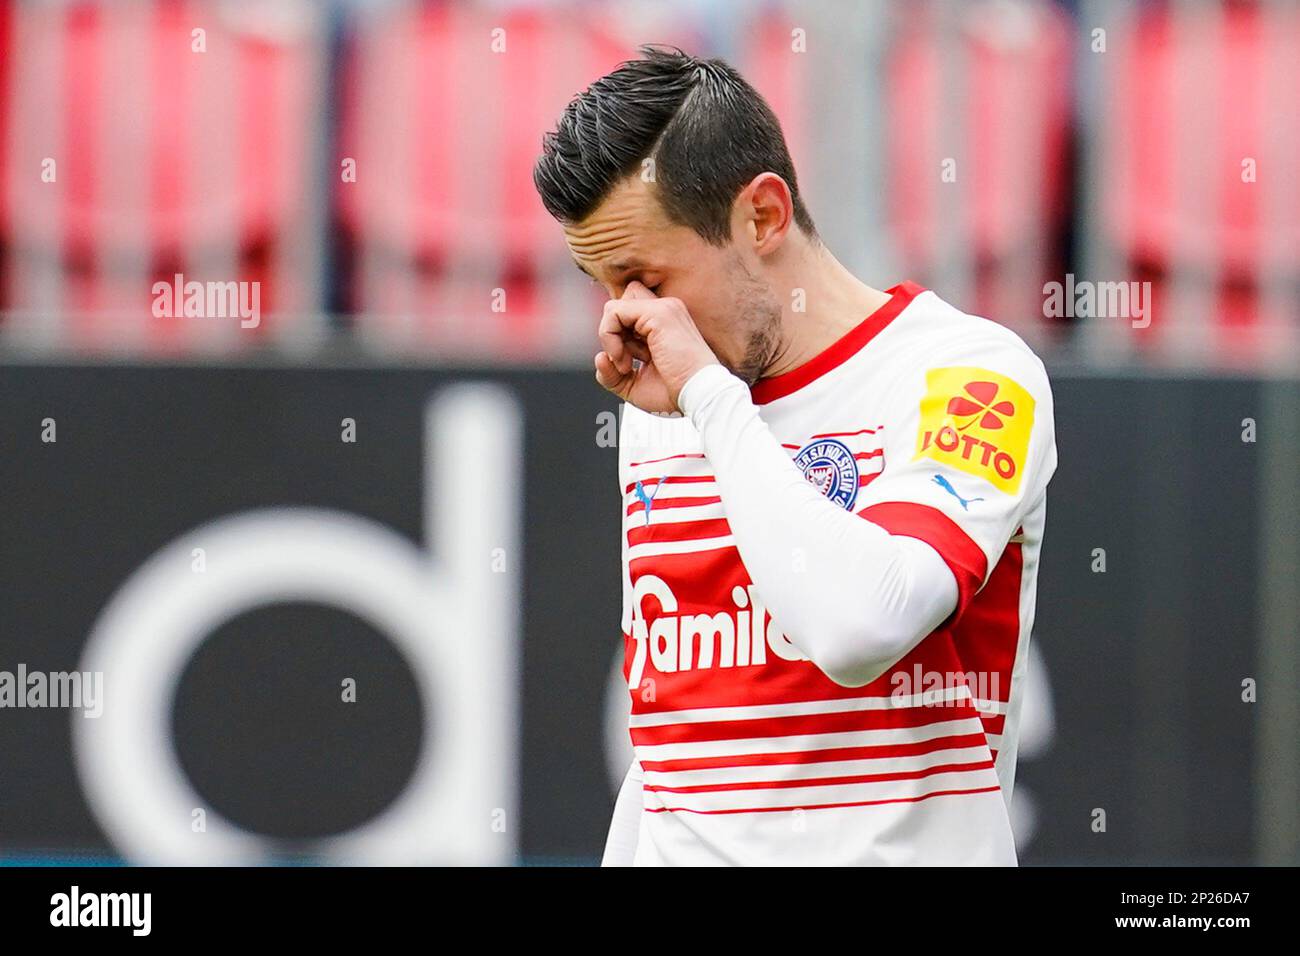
[(978, 422)]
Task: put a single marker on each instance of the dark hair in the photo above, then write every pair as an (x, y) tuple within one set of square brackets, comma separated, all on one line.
[(708, 131)]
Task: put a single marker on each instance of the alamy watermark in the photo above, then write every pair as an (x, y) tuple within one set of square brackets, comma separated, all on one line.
[(944, 688), (1085, 299), (77, 908), (62, 689), (208, 300)]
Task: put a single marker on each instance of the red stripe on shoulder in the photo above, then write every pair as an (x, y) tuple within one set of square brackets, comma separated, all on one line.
[(959, 551)]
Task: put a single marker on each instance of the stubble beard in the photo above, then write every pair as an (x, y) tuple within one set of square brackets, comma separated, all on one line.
[(762, 318), (760, 349)]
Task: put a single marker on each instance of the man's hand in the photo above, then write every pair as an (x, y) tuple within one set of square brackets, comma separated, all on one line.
[(661, 334)]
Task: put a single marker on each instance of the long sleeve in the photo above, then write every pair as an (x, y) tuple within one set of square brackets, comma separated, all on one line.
[(849, 595), (625, 825)]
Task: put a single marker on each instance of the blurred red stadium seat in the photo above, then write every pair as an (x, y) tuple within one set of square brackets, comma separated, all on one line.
[(1167, 210), (168, 160), (444, 131), (1012, 160)]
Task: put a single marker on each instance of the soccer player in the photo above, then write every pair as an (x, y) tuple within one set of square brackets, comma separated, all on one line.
[(833, 501)]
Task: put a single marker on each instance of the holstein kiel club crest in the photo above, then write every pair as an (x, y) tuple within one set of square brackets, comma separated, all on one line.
[(830, 466)]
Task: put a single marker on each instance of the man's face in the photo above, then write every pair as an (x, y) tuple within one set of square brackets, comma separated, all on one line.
[(630, 238)]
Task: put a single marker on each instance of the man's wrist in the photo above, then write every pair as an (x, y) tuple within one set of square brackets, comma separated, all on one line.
[(703, 385)]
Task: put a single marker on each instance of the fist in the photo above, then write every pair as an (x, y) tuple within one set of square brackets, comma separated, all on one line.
[(659, 334)]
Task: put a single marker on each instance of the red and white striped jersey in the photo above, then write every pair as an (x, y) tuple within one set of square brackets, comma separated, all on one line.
[(935, 425)]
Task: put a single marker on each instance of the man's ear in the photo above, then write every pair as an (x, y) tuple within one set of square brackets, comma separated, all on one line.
[(768, 211)]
